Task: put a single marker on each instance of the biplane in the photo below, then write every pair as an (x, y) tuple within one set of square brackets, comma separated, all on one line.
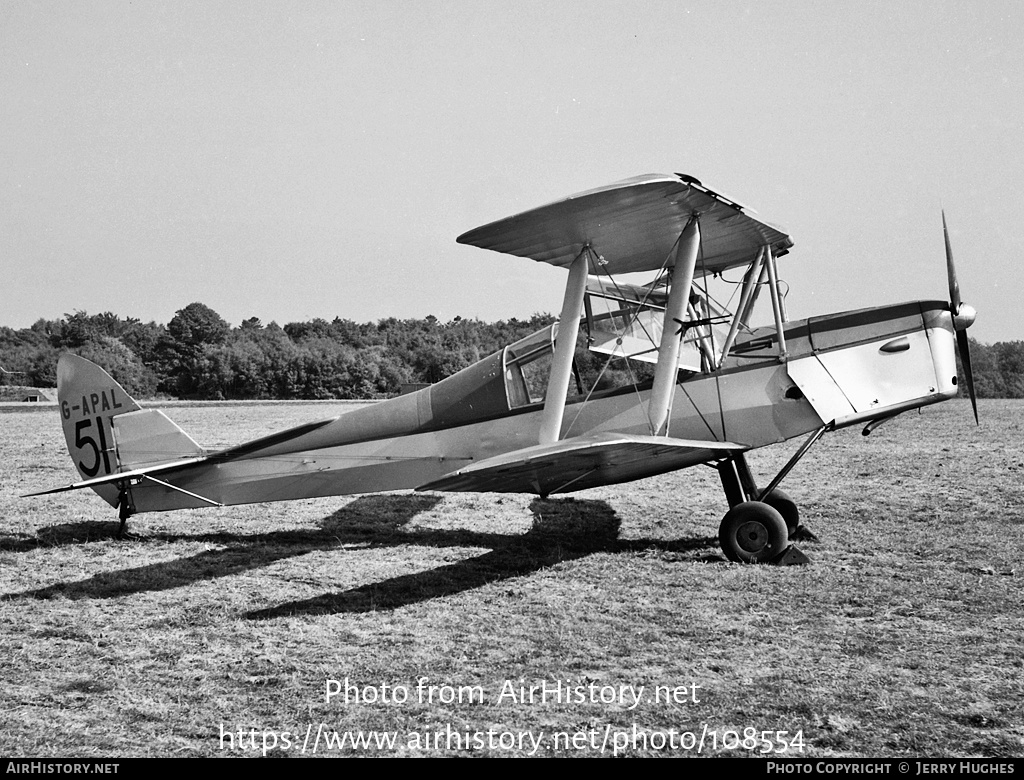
[(676, 378)]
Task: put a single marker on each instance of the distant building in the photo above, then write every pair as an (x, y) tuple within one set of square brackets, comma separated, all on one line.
[(28, 394)]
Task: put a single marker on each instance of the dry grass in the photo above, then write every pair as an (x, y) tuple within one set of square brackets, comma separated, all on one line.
[(905, 637)]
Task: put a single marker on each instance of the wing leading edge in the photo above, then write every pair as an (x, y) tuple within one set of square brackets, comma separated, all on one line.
[(580, 463)]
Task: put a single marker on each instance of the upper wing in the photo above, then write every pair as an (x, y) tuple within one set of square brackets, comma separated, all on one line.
[(633, 225), (580, 463)]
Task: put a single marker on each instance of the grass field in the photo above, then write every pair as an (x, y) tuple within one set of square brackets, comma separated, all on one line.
[(905, 637)]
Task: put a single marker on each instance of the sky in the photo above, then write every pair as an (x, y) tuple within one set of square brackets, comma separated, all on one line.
[(295, 160)]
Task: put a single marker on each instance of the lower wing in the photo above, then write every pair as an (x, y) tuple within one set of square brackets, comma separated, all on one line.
[(580, 463)]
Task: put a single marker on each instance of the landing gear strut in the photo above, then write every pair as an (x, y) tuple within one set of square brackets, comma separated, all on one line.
[(760, 524)]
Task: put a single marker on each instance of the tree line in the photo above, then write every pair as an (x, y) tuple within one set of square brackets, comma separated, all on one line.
[(198, 355)]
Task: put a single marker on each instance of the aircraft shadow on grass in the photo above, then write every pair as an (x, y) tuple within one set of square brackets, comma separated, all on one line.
[(563, 530)]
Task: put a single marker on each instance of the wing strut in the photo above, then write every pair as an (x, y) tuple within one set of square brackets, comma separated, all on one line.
[(773, 289), (667, 370), (565, 347), (701, 339), (749, 284), (762, 281)]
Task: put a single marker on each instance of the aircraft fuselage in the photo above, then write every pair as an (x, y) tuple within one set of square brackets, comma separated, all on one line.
[(839, 370)]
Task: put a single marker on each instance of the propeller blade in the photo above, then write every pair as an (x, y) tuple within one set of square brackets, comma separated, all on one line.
[(954, 285), (965, 360)]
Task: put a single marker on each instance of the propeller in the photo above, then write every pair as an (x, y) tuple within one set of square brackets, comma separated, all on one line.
[(963, 317)]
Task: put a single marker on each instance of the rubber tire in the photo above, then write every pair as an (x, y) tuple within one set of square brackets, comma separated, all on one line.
[(781, 502), (753, 532)]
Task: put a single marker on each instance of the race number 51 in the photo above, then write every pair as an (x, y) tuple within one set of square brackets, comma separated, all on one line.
[(84, 439)]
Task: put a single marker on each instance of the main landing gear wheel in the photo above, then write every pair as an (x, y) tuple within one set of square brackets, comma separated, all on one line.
[(753, 532), (785, 506)]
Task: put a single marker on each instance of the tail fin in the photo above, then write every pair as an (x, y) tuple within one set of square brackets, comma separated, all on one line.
[(107, 431)]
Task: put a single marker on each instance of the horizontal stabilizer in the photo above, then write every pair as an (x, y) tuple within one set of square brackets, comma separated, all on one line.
[(580, 463), (124, 476), (159, 429)]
